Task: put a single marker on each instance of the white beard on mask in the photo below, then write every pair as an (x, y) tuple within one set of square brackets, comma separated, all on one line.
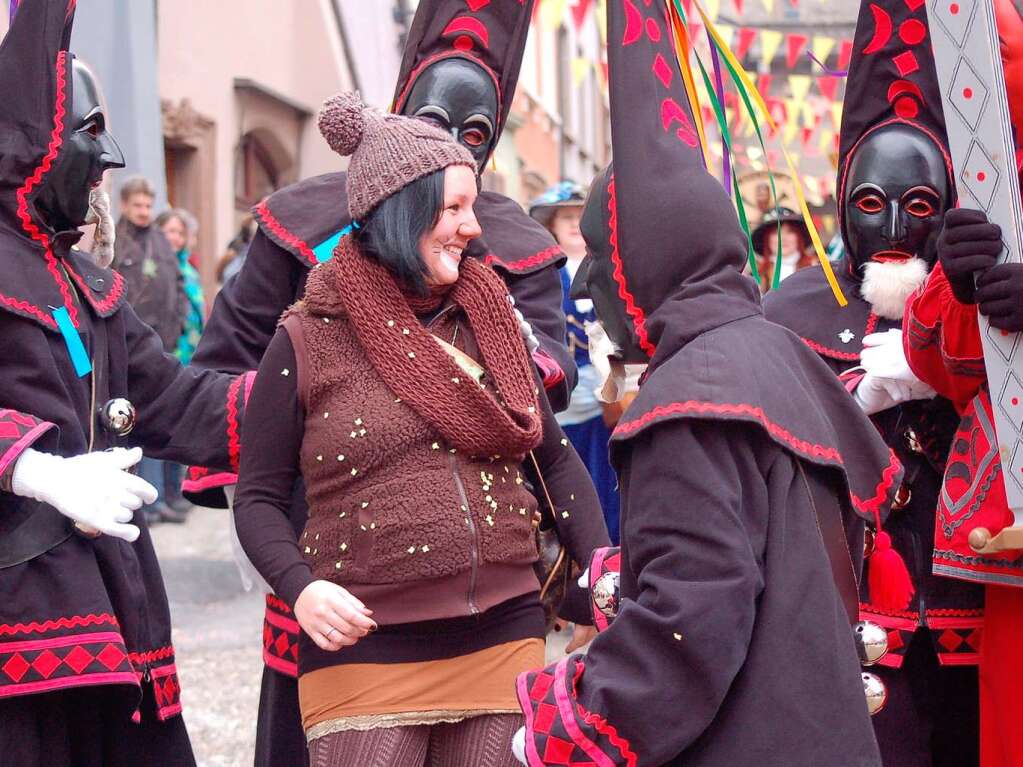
[(103, 239), (888, 284)]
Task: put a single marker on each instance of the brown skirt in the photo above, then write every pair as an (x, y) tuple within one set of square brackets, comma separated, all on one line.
[(368, 696)]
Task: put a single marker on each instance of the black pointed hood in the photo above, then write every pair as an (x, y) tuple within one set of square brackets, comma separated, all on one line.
[(678, 252), (892, 79), (35, 78), (668, 222), (489, 33)]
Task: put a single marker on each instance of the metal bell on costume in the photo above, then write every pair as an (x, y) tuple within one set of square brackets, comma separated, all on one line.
[(871, 642), (118, 416), (605, 594), (875, 691)]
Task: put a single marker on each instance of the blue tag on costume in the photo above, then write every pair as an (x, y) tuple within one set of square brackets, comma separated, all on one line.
[(73, 341), (325, 250)]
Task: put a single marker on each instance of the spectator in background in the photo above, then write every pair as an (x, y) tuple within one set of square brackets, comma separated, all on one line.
[(155, 289), (795, 245), (584, 422), (234, 257), (181, 229)]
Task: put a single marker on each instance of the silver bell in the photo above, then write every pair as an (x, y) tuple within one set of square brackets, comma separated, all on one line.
[(118, 416), (876, 692), (605, 594), (871, 642)]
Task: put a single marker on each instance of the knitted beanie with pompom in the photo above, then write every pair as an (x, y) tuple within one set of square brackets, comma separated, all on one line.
[(388, 151)]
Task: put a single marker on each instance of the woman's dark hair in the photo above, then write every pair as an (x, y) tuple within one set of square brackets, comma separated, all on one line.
[(392, 231)]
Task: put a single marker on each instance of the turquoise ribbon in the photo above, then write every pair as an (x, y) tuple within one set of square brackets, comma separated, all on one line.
[(325, 250), (73, 341)]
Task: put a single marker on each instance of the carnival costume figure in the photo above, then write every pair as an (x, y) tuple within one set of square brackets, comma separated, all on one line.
[(895, 184), (746, 473), (87, 669)]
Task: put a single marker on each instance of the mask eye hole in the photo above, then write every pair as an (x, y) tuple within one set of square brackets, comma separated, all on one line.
[(920, 208), (870, 204), (473, 137)]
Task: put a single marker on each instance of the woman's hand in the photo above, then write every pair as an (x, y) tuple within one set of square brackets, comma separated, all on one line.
[(331, 616)]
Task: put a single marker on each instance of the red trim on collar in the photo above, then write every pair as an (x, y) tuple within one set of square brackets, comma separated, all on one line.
[(633, 309), (872, 506), (824, 351), (490, 259), (744, 410), (27, 308), (275, 226), (111, 298), (33, 231)]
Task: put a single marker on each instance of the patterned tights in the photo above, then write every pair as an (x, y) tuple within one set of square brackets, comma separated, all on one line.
[(483, 741)]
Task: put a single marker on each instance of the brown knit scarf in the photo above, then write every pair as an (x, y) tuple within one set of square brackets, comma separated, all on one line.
[(419, 371)]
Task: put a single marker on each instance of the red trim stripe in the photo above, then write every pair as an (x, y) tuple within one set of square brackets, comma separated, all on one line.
[(549, 254), (78, 680), (824, 351), (27, 224), (138, 658), (233, 440), (112, 297), (283, 234), (872, 506), (633, 309), (75, 621)]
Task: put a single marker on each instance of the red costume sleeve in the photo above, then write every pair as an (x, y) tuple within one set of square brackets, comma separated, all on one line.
[(942, 341)]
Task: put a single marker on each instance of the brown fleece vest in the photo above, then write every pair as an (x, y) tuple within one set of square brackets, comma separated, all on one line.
[(389, 500)]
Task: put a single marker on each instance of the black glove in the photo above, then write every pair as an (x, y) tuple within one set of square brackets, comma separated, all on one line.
[(999, 296), (968, 245)]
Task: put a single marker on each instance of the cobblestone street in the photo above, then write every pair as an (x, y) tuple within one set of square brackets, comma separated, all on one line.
[(217, 635)]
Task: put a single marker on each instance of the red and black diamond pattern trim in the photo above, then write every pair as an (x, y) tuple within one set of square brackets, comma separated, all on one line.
[(957, 638), (18, 431), (166, 690), (559, 731), (40, 665), (280, 637)]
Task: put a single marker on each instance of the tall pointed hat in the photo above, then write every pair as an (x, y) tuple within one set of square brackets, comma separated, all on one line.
[(35, 80), (892, 79), (669, 225), (489, 33)]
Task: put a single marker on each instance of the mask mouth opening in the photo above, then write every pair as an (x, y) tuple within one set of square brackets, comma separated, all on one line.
[(891, 256)]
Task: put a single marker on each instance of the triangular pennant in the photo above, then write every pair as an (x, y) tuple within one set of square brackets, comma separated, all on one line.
[(728, 35), (807, 115), (738, 6), (764, 83), (769, 44), (796, 43), (790, 130), (845, 51), (768, 5), (827, 220), (712, 7), (552, 13), (805, 135), (799, 86), (827, 138), (602, 25), (580, 68), (579, 10), (746, 37), (822, 48), (828, 86), (836, 115)]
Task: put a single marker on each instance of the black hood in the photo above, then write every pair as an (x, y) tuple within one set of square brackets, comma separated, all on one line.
[(35, 80)]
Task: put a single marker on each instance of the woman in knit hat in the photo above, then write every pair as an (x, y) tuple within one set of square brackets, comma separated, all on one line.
[(401, 391)]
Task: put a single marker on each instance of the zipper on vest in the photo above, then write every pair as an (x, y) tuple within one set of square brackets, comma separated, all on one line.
[(475, 548)]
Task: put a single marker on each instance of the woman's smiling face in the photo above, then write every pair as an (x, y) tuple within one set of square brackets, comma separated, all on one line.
[(441, 247)]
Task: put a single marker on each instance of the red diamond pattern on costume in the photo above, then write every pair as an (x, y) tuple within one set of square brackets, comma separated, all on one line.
[(973, 639), (268, 635), (282, 645), (16, 667), (111, 656), (167, 690), (557, 751), (895, 640), (78, 659), (541, 685), (950, 640), (546, 714), (45, 663)]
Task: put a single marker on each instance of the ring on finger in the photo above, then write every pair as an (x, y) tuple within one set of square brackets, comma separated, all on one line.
[(332, 630)]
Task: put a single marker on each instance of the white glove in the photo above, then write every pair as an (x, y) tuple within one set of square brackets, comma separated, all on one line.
[(93, 489), (518, 745), (889, 381)]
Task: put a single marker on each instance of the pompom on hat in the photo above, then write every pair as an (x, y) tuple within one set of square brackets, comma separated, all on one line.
[(388, 151)]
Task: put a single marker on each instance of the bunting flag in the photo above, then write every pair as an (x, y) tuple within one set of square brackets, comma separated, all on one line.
[(826, 140), (738, 6), (768, 5), (746, 37), (828, 86), (845, 54), (799, 87), (580, 68), (822, 48), (552, 12), (602, 28), (579, 11), (770, 41), (796, 43), (764, 82), (836, 115)]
